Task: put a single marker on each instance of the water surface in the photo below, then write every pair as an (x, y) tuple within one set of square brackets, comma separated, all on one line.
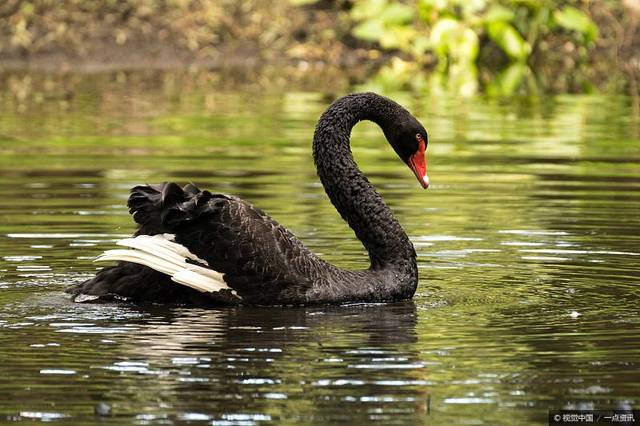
[(528, 243)]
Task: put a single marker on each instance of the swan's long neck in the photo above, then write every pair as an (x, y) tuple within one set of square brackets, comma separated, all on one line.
[(348, 189)]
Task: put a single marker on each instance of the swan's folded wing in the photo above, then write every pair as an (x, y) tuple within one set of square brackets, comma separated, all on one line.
[(259, 259), (193, 246)]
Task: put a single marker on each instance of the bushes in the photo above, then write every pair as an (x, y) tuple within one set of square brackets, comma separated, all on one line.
[(456, 30)]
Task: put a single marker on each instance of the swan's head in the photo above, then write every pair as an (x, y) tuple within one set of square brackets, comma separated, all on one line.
[(410, 141)]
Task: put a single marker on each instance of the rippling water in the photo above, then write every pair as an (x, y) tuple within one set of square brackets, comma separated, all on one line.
[(528, 245)]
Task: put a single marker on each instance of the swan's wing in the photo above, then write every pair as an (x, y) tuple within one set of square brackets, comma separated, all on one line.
[(142, 284), (259, 259), (217, 244)]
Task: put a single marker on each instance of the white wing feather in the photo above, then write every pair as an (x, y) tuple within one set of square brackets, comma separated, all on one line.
[(161, 253)]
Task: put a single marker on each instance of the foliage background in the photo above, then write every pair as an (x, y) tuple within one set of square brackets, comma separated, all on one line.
[(524, 45)]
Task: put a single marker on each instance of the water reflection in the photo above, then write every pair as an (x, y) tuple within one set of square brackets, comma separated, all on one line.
[(257, 363)]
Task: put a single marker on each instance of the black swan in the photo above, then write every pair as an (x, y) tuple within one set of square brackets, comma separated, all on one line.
[(197, 247)]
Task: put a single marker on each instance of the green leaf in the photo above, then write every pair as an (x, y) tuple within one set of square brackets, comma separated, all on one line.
[(574, 19), (509, 40), (435, 4), (429, 5), (466, 45), (452, 38), (428, 10), (388, 25), (499, 13), (369, 30), (365, 9), (441, 33), (397, 13), (508, 81), (470, 8), (398, 37)]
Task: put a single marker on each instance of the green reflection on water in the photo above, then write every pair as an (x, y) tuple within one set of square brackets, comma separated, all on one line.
[(527, 242)]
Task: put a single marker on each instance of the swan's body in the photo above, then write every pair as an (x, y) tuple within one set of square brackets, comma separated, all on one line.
[(193, 246)]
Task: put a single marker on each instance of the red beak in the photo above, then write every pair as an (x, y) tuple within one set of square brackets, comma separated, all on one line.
[(418, 163)]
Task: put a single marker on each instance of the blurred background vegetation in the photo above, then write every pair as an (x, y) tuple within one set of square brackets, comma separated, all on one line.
[(497, 47)]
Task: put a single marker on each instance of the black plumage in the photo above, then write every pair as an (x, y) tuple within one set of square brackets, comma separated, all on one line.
[(262, 261)]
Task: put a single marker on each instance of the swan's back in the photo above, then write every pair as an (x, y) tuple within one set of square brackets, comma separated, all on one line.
[(259, 260)]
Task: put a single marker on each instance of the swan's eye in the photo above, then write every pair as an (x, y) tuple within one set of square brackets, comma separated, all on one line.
[(418, 137)]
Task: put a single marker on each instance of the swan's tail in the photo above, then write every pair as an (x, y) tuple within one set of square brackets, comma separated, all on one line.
[(149, 204)]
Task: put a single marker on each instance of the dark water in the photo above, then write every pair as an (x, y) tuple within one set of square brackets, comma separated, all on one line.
[(528, 245)]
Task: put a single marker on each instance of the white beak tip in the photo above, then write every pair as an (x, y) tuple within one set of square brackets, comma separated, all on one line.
[(425, 181)]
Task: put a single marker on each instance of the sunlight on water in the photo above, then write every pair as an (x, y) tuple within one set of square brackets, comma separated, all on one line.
[(528, 243)]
